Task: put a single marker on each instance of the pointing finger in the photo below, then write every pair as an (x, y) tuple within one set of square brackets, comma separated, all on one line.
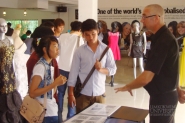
[(131, 93)]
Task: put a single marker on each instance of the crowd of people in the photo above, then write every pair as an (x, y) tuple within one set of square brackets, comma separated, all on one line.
[(56, 59)]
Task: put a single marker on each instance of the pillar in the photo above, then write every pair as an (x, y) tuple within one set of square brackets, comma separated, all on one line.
[(87, 9)]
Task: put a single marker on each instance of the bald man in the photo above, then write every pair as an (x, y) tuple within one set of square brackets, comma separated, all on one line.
[(160, 77)]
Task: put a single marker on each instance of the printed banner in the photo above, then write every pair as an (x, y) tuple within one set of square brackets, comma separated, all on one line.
[(129, 14)]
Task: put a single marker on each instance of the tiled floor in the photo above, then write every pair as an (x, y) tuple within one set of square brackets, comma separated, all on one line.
[(140, 99)]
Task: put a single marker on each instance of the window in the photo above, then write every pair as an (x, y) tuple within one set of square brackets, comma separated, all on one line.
[(25, 25)]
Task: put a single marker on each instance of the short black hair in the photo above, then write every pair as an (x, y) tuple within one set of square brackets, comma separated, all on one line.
[(134, 21), (42, 31), (89, 25), (9, 24), (48, 24), (28, 32), (76, 25), (45, 42)]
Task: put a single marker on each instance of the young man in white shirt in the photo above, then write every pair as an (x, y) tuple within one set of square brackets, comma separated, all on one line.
[(68, 43), (85, 57)]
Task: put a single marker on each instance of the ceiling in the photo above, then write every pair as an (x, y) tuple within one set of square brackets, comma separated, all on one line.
[(42, 5), (36, 4), (63, 2)]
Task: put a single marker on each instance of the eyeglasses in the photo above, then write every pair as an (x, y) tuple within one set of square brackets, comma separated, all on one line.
[(143, 17)]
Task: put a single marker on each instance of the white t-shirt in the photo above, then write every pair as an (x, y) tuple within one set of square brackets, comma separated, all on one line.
[(68, 43), (51, 104)]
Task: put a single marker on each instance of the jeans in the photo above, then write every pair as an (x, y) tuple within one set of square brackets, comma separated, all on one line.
[(61, 93), (51, 119)]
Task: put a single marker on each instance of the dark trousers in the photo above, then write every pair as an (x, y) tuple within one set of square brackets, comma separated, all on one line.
[(84, 101), (162, 107)]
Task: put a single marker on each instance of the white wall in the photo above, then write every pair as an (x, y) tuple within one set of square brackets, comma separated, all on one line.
[(10, 3), (71, 16), (33, 4), (138, 3), (24, 3)]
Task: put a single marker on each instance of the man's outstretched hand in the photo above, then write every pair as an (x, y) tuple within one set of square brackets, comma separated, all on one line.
[(124, 88)]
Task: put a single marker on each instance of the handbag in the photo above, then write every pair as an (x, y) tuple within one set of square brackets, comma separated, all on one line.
[(32, 110), (79, 86)]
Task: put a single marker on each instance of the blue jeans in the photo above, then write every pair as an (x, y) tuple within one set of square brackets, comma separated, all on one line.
[(51, 119), (61, 93)]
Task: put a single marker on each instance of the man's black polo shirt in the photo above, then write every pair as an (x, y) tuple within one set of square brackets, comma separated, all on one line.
[(163, 60)]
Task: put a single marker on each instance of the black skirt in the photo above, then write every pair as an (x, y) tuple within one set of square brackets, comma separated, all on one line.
[(136, 51)]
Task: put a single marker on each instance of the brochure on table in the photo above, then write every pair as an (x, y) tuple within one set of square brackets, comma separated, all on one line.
[(81, 118), (100, 109), (99, 113), (96, 113)]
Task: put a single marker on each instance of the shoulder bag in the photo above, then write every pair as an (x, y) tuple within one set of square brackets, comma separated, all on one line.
[(32, 110)]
